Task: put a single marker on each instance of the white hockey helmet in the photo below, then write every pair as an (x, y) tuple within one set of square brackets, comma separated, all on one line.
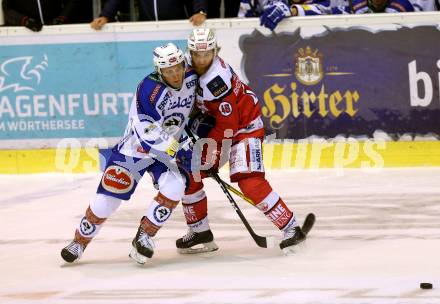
[(202, 39), (166, 56)]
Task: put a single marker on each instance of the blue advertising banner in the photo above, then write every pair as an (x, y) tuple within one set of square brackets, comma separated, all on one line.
[(78, 90), (349, 82)]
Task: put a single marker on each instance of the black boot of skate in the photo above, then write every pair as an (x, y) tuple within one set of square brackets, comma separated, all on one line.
[(143, 247), (72, 252), (292, 237), (190, 242)]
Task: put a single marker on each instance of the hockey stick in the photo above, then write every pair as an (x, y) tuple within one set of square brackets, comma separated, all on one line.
[(309, 221), (261, 241)]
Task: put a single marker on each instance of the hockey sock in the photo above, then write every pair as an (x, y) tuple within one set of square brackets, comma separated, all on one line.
[(280, 215), (260, 192), (256, 188), (195, 208), (88, 227), (158, 212)]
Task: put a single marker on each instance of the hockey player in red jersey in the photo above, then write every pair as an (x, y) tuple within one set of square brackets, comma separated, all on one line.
[(225, 99)]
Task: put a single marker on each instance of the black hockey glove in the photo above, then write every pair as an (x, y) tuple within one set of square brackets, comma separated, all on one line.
[(201, 124), (33, 24)]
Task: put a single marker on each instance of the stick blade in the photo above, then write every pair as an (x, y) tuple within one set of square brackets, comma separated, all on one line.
[(308, 223)]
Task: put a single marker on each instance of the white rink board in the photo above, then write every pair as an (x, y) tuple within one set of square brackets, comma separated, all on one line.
[(376, 238)]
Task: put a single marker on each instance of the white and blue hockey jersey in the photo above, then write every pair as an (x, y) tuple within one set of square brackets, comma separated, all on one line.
[(253, 8), (157, 115)]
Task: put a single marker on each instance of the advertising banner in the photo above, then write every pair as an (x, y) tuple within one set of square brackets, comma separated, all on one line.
[(75, 90), (346, 81)]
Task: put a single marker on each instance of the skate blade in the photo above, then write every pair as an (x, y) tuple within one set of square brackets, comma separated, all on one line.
[(207, 247), (292, 250), (139, 258)]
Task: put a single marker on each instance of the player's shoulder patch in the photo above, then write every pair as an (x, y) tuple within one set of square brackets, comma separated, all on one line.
[(217, 86)]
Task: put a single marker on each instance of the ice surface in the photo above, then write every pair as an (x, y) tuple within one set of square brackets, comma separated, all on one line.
[(377, 236)]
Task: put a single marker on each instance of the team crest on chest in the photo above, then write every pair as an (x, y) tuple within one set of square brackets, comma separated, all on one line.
[(225, 108)]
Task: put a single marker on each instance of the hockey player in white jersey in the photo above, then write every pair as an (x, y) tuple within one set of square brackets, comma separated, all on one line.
[(163, 102)]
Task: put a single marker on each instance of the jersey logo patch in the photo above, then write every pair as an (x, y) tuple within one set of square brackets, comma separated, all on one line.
[(117, 180), (217, 86), (161, 213), (154, 94), (86, 227), (225, 108)]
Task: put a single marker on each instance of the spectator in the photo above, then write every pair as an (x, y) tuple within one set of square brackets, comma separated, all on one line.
[(231, 8), (272, 12), (33, 14), (155, 10), (393, 6)]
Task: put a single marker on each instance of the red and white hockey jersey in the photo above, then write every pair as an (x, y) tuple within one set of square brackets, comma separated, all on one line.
[(233, 104)]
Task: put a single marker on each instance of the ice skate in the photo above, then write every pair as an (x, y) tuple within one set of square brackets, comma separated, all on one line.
[(143, 247), (292, 236), (72, 252), (196, 242)]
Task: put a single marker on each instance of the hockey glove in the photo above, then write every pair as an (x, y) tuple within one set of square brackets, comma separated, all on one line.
[(274, 13), (201, 124), (172, 148), (33, 24)]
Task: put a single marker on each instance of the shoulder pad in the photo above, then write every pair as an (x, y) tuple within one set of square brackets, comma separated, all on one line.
[(189, 72), (154, 76), (217, 86), (150, 89)]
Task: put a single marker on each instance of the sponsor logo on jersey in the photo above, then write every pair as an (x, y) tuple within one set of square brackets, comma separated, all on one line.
[(236, 84), (255, 154), (164, 101), (117, 180), (308, 66), (190, 214), (186, 102), (279, 215), (191, 83), (225, 108), (161, 213), (217, 86), (154, 93)]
